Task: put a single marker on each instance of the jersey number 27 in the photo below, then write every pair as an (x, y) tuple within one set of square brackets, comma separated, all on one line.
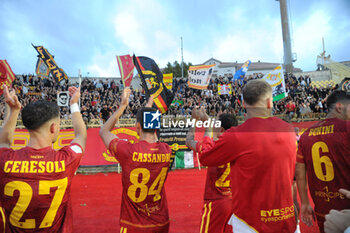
[(25, 196)]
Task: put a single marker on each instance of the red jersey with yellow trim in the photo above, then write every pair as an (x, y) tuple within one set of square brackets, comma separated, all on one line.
[(325, 150), (2, 219), (217, 185), (35, 188), (262, 154), (145, 168)]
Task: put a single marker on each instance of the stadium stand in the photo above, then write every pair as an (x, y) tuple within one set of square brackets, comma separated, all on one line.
[(308, 98)]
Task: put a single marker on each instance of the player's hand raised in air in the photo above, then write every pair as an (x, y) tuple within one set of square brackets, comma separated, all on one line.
[(125, 96), (196, 113), (150, 102), (307, 214), (11, 99), (74, 92), (203, 114)]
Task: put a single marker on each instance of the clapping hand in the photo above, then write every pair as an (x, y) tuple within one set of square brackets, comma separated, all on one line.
[(11, 99), (125, 96), (74, 92)]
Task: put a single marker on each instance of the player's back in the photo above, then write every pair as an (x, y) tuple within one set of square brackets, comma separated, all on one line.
[(144, 170), (35, 188), (262, 174), (324, 148), (217, 185)]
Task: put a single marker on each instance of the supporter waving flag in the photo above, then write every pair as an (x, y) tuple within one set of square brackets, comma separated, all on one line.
[(57, 73), (152, 82), (241, 72), (6, 75), (276, 80)]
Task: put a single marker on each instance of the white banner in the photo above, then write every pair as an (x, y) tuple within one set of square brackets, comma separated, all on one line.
[(63, 98), (276, 80), (199, 76)]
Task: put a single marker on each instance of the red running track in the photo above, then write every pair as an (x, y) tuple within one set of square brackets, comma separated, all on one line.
[(96, 202)]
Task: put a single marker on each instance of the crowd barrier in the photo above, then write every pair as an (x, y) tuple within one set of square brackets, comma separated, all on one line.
[(97, 155)]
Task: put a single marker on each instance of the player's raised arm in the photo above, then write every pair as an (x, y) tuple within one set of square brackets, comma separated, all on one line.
[(190, 141), (105, 131), (216, 154), (204, 117), (77, 119), (150, 102), (13, 109)]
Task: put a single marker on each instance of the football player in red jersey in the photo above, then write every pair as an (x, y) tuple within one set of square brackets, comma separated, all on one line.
[(323, 157), (2, 220), (35, 180), (145, 166), (217, 208), (262, 154), (2, 212)]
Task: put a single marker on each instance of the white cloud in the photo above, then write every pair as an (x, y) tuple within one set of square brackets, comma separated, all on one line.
[(308, 38), (103, 65), (128, 29), (153, 28), (140, 27), (254, 42)]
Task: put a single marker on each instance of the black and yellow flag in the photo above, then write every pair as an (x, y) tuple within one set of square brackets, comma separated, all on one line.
[(152, 82), (57, 73), (345, 85)]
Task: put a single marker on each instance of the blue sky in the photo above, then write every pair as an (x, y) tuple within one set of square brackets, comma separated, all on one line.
[(87, 35)]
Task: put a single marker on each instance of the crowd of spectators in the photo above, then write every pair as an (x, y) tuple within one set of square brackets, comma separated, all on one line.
[(100, 98), (303, 98)]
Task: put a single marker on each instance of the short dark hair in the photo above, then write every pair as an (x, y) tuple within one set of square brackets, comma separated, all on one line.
[(254, 90), (139, 118), (35, 114), (228, 120), (337, 96)]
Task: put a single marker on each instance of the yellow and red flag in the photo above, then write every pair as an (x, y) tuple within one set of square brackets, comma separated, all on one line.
[(152, 82), (168, 80), (126, 68), (6, 75)]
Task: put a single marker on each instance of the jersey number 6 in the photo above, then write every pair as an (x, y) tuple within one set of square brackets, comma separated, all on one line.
[(318, 160)]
